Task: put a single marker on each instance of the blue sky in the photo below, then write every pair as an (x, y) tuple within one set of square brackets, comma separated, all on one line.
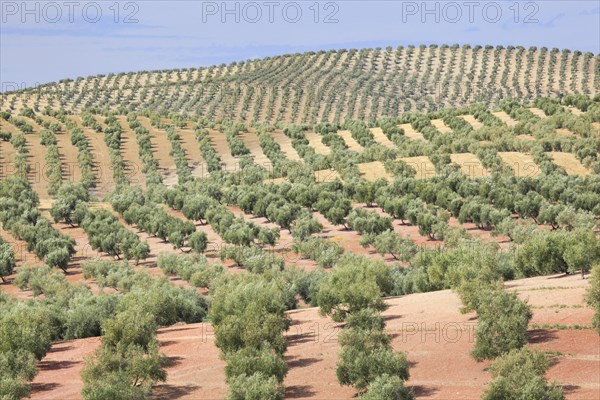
[(49, 41)]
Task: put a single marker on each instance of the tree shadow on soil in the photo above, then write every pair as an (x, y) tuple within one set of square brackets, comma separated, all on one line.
[(168, 392), (541, 335), (56, 365), (298, 391), (43, 387), (421, 391), (296, 362)]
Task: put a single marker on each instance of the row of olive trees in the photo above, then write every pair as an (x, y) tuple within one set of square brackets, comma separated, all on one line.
[(353, 293), (128, 362), (20, 216), (53, 170), (84, 157), (209, 154), (7, 259), (142, 136), (154, 220), (501, 336), (248, 315)]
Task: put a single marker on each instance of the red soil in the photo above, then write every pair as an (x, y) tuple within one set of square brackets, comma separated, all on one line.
[(428, 326)]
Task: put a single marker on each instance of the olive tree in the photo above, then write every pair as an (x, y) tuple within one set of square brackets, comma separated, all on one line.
[(519, 374), (69, 196), (502, 320), (593, 296), (7, 260), (354, 283)]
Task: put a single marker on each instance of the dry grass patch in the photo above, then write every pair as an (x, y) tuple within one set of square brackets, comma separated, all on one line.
[(441, 126), (373, 171), (522, 164), (526, 138), (252, 142), (569, 162), (350, 142), (286, 146), (219, 143), (327, 175), (422, 165), (565, 133), (472, 121), (380, 138), (314, 141), (538, 112), (469, 165), (576, 111), (411, 133), (504, 117)]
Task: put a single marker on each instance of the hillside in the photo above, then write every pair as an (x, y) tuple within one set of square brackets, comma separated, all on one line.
[(428, 326), (192, 214), (331, 86)]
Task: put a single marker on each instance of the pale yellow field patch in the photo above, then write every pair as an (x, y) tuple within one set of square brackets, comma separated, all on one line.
[(472, 121), (276, 180), (286, 146), (373, 171), (565, 132), (441, 126), (327, 175), (504, 117), (423, 166), (576, 111), (411, 133), (314, 141), (526, 138), (569, 162), (522, 164), (350, 141), (381, 138), (538, 112), (470, 165)]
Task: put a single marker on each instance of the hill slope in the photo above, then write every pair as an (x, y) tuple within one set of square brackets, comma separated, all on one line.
[(333, 85)]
